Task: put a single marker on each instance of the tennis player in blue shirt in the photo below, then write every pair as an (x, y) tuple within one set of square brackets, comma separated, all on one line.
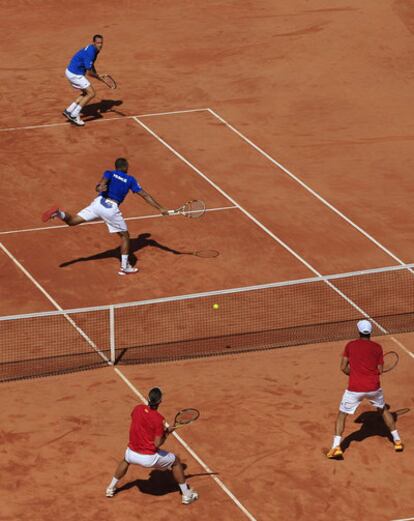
[(81, 65), (113, 188)]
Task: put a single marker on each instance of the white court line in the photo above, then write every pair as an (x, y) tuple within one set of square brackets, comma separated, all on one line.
[(138, 218), (308, 188), (193, 454), (54, 303), (67, 123), (405, 519), (218, 481), (267, 231)]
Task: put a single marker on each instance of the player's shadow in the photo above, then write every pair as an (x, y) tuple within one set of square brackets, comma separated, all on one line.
[(95, 110), (138, 243), (159, 483), (372, 424)]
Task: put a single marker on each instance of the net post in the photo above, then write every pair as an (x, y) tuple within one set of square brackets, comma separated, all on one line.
[(112, 333)]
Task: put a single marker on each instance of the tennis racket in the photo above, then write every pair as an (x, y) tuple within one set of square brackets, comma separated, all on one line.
[(109, 81), (192, 209), (391, 359), (185, 417)]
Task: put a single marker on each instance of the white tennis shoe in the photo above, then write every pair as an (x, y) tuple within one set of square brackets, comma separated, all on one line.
[(190, 497), (129, 270), (110, 492), (77, 120)]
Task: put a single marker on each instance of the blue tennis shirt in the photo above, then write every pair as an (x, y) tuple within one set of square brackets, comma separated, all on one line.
[(119, 184), (83, 60)]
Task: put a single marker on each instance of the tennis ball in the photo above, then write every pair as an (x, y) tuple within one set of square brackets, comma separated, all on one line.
[(215, 306)]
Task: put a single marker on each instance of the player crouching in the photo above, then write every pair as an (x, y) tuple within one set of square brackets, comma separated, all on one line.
[(146, 435)]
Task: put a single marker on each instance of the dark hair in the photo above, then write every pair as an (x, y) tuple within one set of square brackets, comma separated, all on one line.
[(121, 164), (154, 397), (96, 36), (364, 335)]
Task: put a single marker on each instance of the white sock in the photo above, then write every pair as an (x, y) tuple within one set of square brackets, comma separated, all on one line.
[(113, 483), (336, 441), (71, 107), (61, 214), (185, 489), (124, 261), (76, 111), (395, 435)]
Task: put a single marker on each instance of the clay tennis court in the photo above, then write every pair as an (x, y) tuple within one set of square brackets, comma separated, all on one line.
[(293, 122)]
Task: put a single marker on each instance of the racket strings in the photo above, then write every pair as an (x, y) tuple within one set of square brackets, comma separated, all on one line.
[(390, 361), (194, 208), (109, 81), (186, 416)]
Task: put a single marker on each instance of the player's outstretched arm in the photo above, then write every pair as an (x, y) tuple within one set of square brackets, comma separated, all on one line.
[(152, 202)]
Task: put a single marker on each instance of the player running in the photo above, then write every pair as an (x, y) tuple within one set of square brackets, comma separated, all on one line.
[(363, 361), (146, 435), (113, 188), (81, 65)]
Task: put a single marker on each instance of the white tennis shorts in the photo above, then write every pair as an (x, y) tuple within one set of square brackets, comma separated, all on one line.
[(161, 460), (108, 211), (78, 81), (351, 400)]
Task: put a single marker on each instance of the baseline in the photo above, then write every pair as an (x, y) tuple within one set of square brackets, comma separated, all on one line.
[(66, 123)]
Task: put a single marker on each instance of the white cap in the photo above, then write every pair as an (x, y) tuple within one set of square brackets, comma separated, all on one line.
[(364, 327)]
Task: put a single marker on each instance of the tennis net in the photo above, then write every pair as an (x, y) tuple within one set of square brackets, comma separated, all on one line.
[(305, 311)]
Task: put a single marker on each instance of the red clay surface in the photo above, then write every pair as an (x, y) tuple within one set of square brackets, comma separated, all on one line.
[(265, 419), (325, 89)]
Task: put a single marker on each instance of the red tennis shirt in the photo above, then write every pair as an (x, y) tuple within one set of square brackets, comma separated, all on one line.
[(364, 358), (146, 424)]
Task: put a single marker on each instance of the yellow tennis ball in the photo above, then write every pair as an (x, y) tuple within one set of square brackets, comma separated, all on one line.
[(215, 306)]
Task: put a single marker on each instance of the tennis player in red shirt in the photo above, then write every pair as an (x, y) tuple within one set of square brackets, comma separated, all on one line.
[(363, 361), (146, 435)]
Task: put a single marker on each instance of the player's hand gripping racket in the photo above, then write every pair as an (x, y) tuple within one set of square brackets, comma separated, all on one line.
[(391, 359), (192, 209), (185, 417), (109, 81)]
